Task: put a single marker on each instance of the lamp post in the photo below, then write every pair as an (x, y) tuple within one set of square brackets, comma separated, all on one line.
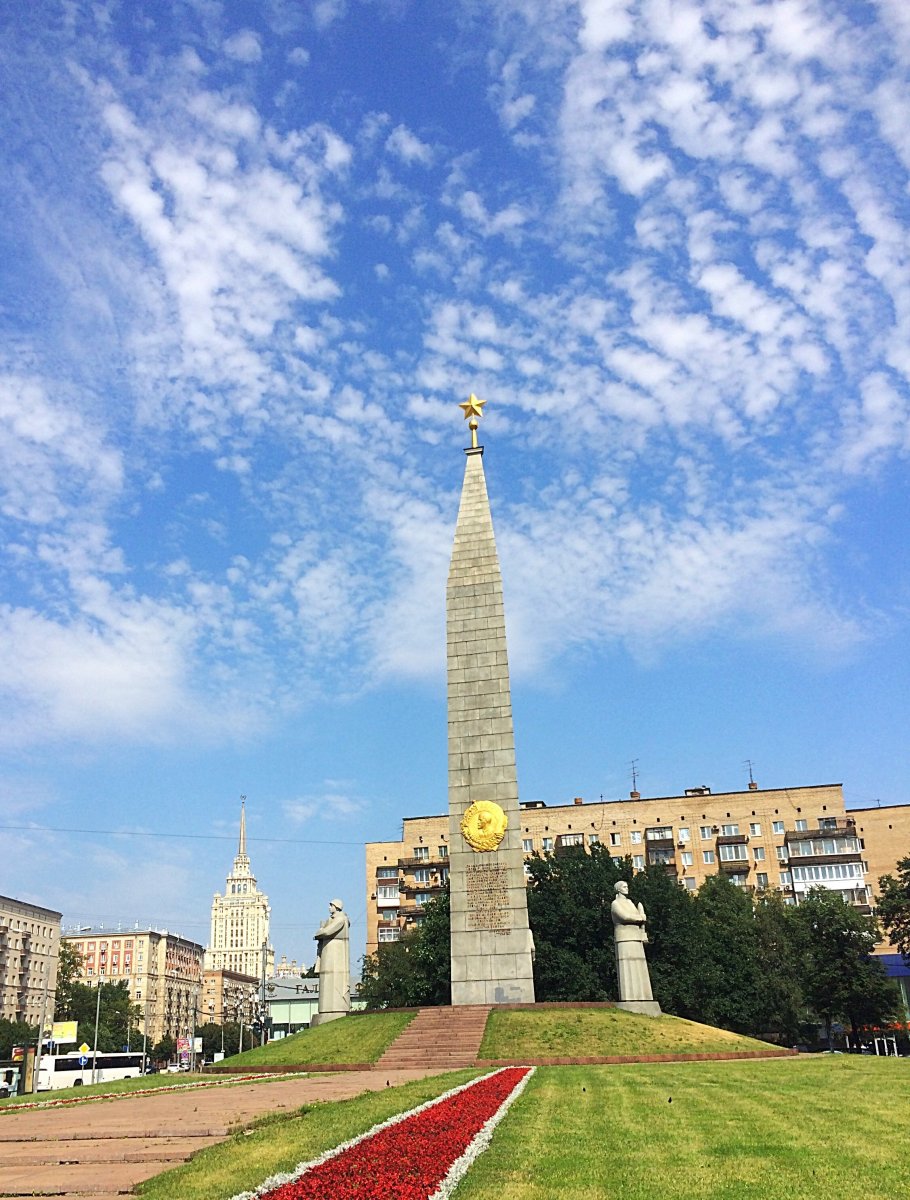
[(145, 1031), (97, 1018)]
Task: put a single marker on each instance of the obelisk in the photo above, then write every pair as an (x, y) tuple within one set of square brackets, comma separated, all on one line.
[(492, 949)]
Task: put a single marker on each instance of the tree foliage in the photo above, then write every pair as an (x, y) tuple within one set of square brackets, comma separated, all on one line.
[(414, 970), (69, 973), (15, 1033), (840, 980), (893, 907), (119, 1020)]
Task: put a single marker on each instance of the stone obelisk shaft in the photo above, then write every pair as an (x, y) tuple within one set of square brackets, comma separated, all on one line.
[(491, 940)]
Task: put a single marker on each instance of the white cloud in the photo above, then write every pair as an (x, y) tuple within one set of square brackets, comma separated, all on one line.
[(245, 46), (408, 147)]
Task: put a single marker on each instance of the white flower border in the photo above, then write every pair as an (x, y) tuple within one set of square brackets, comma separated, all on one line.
[(456, 1171)]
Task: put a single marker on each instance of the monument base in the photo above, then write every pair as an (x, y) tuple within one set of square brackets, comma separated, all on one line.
[(322, 1018), (647, 1008)]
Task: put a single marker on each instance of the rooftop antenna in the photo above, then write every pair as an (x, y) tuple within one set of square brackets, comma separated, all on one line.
[(753, 786), (634, 794)]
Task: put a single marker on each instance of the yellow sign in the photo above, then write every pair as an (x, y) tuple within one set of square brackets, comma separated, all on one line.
[(63, 1031), (83, 1049), (483, 825)]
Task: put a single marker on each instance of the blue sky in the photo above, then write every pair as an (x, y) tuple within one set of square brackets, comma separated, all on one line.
[(254, 255)]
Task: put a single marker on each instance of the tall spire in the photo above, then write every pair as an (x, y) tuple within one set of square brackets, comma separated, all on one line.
[(241, 847), (491, 939)]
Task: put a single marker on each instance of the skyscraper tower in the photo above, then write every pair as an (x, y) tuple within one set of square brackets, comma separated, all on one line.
[(240, 919), (492, 949)]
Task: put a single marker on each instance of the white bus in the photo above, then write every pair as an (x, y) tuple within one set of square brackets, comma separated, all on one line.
[(69, 1070)]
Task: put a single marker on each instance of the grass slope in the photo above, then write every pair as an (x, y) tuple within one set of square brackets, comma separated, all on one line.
[(781, 1129), (600, 1032), (354, 1039)]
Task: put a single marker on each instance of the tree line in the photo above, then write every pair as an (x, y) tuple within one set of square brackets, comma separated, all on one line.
[(722, 955)]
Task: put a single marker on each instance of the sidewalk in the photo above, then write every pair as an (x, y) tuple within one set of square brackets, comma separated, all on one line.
[(103, 1148)]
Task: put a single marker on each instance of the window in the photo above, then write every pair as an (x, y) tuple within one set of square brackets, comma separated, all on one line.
[(387, 892), (829, 823), (781, 852), (422, 898), (735, 852), (705, 832), (689, 884), (527, 845), (761, 879), (684, 834), (759, 853), (422, 853), (422, 875), (730, 830), (638, 861), (387, 873), (389, 935), (785, 880), (802, 825), (661, 833), (754, 829), (443, 851), (777, 826), (547, 843), (615, 839), (707, 856), (636, 837), (686, 858), (593, 839), (573, 839)]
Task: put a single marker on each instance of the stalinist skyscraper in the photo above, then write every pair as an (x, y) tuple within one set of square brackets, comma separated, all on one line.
[(492, 950), (240, 919)]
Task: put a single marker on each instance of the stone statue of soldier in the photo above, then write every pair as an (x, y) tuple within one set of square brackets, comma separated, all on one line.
[(333, 965), (629, 935)]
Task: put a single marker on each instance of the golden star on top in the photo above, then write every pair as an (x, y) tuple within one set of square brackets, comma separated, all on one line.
[(472, 406)]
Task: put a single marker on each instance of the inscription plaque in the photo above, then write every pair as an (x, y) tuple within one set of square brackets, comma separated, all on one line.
[(488, 898)]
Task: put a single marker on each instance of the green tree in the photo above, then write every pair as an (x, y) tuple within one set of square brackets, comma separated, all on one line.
[(165, 1050), (781, 1010), (416, 970), (118, 1018), (893, 907), (69, 972), (838, 974), (729, 977), (569, 898), (15, 1033)]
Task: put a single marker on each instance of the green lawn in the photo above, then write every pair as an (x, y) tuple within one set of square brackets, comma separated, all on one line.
[(599, 1032), (354, 1039), (812, 1128), (820, 1128)]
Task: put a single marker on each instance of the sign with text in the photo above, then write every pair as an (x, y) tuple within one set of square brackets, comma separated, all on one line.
[(63, 1031)]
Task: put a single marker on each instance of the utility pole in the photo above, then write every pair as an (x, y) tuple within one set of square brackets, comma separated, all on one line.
[(97, 1017), (265, 945), (39, 1050)]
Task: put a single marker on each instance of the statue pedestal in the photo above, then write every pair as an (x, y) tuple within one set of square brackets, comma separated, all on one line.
[(322, 1018), (647, 1008)]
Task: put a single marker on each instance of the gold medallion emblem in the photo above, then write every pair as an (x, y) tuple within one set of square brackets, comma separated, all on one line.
[(484, 825)]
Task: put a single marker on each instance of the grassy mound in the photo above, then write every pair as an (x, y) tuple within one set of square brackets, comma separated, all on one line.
[(361, 1038), (599, 1033)]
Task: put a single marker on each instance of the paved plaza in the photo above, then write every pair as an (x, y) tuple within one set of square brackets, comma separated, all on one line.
[(105, 1147)]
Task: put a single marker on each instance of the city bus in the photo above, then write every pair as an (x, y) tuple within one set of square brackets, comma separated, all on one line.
[(69, 1070)]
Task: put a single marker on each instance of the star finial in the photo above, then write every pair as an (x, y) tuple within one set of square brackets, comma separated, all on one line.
[(473, 408)]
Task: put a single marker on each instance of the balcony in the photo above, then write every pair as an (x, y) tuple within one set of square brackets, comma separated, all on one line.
[(734, 866), (408, 888), (732, 839), (433, 860)]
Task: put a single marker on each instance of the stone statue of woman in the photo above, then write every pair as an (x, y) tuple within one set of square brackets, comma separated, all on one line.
[(333, 965), (631, 965)]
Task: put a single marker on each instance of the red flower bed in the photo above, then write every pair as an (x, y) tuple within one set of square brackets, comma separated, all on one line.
[(408, 1160)]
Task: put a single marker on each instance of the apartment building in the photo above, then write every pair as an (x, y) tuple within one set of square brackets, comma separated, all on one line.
[(229, 996), (162, 970), (787, 838), (29, 946)]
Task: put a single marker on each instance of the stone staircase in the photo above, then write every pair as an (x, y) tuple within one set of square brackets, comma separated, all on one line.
[(438, 1037)]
